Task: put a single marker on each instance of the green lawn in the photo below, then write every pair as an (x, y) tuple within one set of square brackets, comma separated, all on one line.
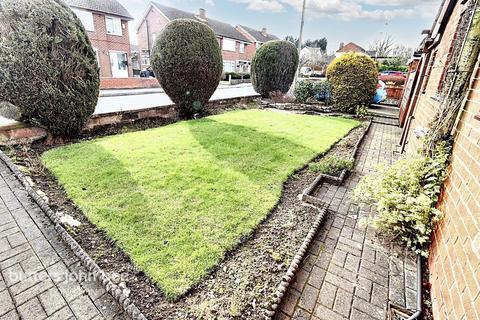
[(176, 198)]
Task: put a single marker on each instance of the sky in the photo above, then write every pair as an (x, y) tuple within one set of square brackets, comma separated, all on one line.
[(359, 21)]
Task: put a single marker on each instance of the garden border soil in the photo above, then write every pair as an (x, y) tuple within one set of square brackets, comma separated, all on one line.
[(307, 198), (321, 178), (146, 295)]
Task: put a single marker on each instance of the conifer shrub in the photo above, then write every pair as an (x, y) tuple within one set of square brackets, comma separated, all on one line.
[(188, 64), (274, 66), (48, 68), (353, 77)]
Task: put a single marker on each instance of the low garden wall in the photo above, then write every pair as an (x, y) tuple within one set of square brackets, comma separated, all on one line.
[(20, 133), (395, 92), (128, 83)]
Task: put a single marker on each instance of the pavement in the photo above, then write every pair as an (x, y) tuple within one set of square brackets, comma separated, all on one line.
[(157, 99), (40, 277), (137, 99), (349, 273)]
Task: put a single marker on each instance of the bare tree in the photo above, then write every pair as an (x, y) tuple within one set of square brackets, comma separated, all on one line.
[(383, 47), (403, 53)]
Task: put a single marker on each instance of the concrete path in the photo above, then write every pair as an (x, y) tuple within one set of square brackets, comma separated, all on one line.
[(40, 278), (349, 273), (150, 100)]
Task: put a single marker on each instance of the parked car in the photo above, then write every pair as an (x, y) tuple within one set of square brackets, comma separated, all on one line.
[(385, 75), (147, 73), (306, 72)]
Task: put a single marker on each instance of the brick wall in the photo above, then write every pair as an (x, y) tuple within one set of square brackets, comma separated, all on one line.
[(234, 56), (128, 83), (455, 255), (454, 261), (251, 48), (104, 43), (157, 21)]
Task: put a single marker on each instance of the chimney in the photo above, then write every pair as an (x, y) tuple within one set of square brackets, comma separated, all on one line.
[(264, 31), (202, 13), (341, 45)]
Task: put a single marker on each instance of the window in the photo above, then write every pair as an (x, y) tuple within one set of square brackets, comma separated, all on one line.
[(426, 77), (242, 47), (228, 66), (114, 26), (86, 18), (154, 37), (229, 45), (97, 56), (145, 58)]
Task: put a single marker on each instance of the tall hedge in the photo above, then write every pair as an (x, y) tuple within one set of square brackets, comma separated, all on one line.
[(187, 61), (354, 78), (48, 68), (274, 66)]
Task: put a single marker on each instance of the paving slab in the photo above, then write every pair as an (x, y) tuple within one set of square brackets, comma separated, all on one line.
[(350, 273), (40, 278)]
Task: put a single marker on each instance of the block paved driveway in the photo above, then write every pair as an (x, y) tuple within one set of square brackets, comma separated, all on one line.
[(349, 273), (40, 278)]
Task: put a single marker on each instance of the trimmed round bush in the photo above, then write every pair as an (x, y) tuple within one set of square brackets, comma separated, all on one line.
[(274, 66), (48, 68), (188, 64), (354, 78)]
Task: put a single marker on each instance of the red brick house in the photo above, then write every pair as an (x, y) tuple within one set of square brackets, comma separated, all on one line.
[(106, 22), (454, 263), (237, 47), (352, 47), (256, 37)]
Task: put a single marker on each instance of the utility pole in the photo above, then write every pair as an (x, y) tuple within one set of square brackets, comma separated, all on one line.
[(299, 47)]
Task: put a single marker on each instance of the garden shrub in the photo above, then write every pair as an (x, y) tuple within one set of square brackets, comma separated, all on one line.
[(322, 91), (188, 63), (405, 195), (303, 91), (332, 165), (353, 77), (307, 90), (274, 66), (394, 80), (386, 67), (48, 68)]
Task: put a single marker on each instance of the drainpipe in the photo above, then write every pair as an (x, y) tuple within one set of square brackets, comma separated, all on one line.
[(419, 311), (148, 38)]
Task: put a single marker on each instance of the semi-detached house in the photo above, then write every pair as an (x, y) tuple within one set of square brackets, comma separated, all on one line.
[(106, 23), (238, 45)]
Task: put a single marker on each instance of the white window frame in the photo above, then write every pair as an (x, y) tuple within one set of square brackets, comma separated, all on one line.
[(229, 45), (86, 17), (242, 47), (97, 56), (144, 58), (117, 23), (232, 66)]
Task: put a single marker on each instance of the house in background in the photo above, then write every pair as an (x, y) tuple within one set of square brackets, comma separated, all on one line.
[(106, 22), (353, 47), (237, 47), (256, 37)]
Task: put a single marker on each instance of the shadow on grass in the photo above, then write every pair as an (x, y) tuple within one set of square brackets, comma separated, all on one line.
[(95, 182), (255, 154)]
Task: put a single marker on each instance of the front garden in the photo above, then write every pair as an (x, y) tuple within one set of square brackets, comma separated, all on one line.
[(176, 198)]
